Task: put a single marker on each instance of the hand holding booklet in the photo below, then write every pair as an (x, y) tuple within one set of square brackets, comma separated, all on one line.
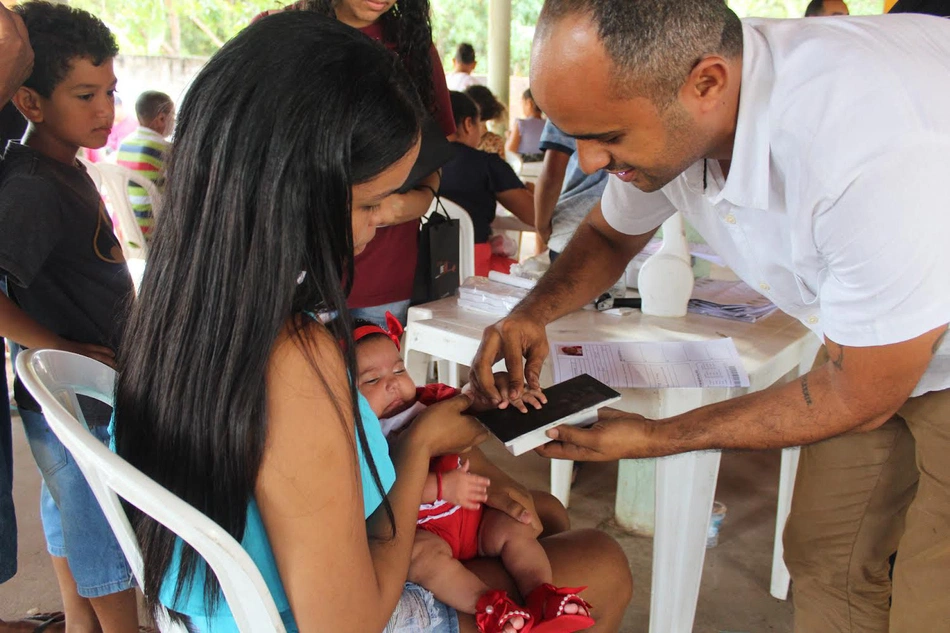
[(573, 402)]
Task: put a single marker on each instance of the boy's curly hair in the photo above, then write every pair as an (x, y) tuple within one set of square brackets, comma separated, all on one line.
[(60, 34)]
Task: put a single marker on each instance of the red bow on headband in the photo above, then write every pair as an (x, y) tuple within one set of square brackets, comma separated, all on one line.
[(393, 332)]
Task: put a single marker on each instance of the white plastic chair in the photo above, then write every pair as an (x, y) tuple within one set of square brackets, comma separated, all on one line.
[(55, 378), (113, 182)]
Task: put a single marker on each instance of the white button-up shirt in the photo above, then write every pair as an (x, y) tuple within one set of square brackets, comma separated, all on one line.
[(837, 201)]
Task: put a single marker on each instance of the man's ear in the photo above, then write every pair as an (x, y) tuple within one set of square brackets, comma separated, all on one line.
[(29, 103), (469, 123)]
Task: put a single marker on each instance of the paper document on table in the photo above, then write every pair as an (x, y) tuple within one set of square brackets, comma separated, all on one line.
[(713, 363), (729, 300)]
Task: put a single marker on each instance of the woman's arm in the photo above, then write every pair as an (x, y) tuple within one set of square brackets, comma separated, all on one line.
[(519, 201), (412, 205), (311, 499), (514, 139)]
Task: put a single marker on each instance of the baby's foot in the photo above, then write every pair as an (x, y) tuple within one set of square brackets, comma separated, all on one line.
[(497, 613)]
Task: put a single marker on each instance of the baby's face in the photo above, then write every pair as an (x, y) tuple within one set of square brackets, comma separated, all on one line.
[(383, 379)]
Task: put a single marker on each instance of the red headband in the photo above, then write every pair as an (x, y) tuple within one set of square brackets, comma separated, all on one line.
[(393, 332)]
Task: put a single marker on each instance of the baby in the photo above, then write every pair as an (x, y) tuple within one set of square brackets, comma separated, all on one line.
[(453, 525)]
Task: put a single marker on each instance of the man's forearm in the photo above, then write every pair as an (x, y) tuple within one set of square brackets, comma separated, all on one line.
[(801, 412), (590, 264)]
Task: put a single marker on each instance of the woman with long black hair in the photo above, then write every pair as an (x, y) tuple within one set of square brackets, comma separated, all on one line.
[(234, 391)]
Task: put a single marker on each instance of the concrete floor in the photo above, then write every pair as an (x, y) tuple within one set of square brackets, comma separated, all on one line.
[(734, 595)]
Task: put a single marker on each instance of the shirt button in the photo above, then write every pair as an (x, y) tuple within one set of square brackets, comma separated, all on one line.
[(731, 219), (765, 286), (813, 319)]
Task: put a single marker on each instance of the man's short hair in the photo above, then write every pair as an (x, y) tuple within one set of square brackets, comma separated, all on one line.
[(653, 44), (463, 107), (465, 53), (59, 35), (814, 8), (150, 104)]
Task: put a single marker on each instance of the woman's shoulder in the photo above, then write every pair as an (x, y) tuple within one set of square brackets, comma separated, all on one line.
[(306, 360)]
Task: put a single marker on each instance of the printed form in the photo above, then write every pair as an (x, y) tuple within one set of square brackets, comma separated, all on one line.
[(714, 363)]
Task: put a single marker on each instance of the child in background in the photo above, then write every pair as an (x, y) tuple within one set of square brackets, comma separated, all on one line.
[(477, 181), (69, 289), (489, 109), (144, 150), (525, 136), (453, 524)]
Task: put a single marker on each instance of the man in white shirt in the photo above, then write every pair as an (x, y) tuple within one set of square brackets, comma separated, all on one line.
[(463, 65), (813, 156)]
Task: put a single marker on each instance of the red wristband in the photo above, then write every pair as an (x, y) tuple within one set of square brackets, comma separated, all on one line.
[(438, 484)]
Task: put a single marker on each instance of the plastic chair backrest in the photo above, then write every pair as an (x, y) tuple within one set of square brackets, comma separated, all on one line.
[(55, 378), (466, 236), (114, 186)]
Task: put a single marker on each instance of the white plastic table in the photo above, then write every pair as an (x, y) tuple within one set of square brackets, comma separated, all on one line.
[(773, 350)]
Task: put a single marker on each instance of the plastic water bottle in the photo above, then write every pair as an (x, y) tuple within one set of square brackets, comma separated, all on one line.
[(715, 520)]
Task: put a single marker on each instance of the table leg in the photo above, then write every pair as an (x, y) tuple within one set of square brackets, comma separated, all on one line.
[(636, 494), (786, 484), (417, 364), (685, 485), (561, 472)]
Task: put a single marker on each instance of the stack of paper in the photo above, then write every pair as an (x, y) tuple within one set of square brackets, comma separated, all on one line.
[(729, 300), (493, 297)]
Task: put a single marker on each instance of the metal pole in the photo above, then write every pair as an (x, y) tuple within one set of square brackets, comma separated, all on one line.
[(499, 49)]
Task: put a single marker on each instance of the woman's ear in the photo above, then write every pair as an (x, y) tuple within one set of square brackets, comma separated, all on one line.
[(29, 103)]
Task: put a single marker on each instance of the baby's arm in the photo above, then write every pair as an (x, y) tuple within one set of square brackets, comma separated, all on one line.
[(458, 487)]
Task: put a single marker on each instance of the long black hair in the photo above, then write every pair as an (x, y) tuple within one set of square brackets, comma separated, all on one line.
[(274, 132), (406, 26)]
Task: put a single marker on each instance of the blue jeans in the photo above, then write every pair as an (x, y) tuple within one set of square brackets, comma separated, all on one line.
[(8, 542), (73, 522), (377, 314)]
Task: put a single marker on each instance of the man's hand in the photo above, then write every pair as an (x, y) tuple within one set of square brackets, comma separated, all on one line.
[(463, 488), (531, 397), (515, 500), (513, 338), (16, 53), (615, 435)]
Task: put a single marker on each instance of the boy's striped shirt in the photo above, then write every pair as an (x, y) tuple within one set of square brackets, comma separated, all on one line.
[(143, 151)]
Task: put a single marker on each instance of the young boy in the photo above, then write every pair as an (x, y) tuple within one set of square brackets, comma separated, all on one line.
[(477, 180), (144, 151), (69, 288), (453, 524)]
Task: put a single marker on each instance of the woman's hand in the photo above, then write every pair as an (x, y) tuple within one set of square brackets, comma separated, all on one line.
[(443, 428), (463, 488)]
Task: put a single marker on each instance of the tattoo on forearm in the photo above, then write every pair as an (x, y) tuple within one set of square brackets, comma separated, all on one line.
[(839, 361), (805, 392), (936, 345)]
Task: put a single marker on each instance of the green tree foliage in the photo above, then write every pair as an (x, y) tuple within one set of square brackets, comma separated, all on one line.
[(199, 27), (174, 27)]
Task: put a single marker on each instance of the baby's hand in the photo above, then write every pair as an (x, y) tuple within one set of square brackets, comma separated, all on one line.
[(533, 397), (462, 488)]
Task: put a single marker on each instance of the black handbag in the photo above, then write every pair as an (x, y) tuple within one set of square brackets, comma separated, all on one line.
[(437, 269)]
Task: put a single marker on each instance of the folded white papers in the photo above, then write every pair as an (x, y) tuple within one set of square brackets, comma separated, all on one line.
[(729, 300), (713, 363), (493, 297)]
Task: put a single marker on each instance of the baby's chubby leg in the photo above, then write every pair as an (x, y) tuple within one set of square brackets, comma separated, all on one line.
[(433, 567), (517, 546)]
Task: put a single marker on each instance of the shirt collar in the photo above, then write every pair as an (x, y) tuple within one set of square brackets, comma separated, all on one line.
[(748, 181), (149, 132)]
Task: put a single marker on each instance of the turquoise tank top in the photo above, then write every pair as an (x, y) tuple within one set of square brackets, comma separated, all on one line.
[(191, 601)]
